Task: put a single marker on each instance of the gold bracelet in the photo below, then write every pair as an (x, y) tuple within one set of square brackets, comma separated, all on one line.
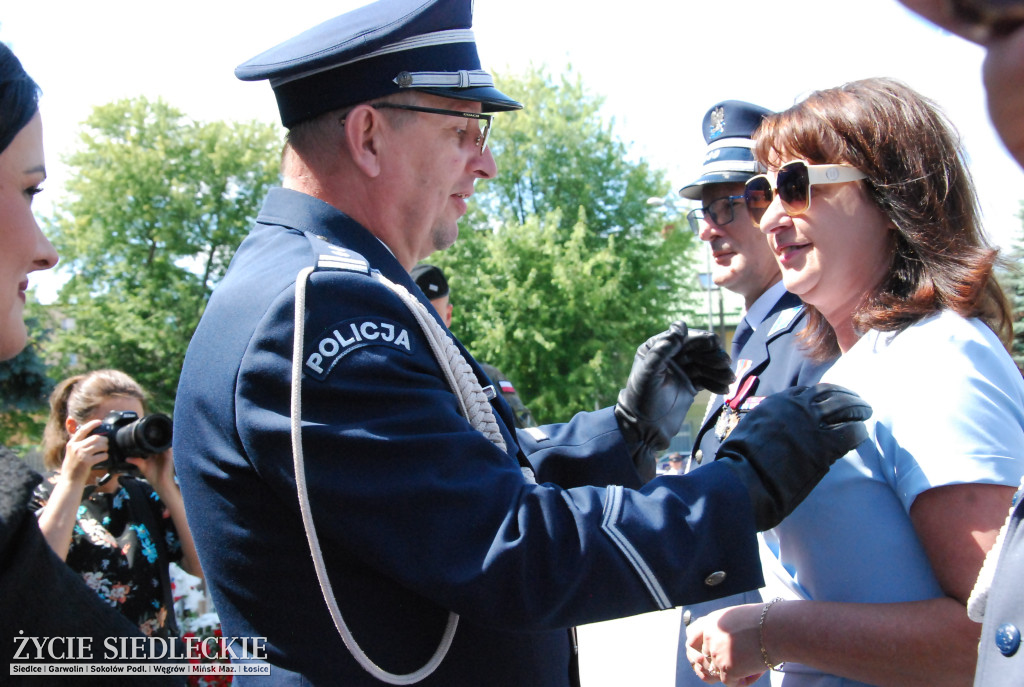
[(760, 634)]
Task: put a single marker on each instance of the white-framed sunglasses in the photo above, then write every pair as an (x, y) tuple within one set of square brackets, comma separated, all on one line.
[(793, 184)]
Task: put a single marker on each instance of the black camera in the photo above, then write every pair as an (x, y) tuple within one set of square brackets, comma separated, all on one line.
[(131, 436)]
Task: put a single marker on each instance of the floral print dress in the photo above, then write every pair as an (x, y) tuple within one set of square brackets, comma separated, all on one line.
[(117, 555)]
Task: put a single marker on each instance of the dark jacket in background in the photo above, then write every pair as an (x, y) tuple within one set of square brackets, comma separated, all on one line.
[(41, 597)]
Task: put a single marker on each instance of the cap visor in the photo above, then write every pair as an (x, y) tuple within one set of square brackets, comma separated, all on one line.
[(490, 98), (693, 190)]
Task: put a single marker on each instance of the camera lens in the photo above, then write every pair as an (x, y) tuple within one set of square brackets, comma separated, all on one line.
[(151, 434)]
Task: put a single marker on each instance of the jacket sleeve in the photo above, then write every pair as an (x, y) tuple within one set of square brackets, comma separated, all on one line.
[(586, 451), (396, 475)]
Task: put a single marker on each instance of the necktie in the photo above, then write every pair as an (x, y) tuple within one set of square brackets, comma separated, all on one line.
[(739, 338)]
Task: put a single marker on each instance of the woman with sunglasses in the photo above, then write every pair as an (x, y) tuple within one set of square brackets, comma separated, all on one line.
[(873, 219)]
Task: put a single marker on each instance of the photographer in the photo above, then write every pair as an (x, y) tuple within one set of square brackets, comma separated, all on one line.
[(119, 532)]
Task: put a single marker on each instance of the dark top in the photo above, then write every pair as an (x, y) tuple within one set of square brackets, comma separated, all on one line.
[(42, 597), (118, 557)]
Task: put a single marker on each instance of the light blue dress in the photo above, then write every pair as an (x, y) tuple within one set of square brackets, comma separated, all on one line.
[(948, 409)]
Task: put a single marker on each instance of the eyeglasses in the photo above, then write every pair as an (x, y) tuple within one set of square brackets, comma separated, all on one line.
[(793, 184), (719, 210), (485, 119)]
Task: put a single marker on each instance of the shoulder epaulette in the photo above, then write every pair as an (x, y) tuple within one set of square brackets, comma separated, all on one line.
[(332, 257)]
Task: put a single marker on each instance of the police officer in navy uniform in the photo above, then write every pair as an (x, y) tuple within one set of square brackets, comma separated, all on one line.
[(433, 283), (766, 351), (318, 363)]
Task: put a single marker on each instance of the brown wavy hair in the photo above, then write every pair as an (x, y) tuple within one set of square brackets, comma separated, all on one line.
[(940, 257), (78, 397)]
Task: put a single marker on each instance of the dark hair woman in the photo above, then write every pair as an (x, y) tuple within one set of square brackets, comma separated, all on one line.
[(40, 597), (25, 249)]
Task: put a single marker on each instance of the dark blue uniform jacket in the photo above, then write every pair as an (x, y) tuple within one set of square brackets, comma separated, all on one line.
[(417, 513)]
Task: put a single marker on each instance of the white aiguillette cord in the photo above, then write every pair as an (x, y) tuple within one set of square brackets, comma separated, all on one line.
[(474, 406), (978, 599)]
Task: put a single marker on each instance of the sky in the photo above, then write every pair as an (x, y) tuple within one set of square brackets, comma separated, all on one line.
[(659, 64)]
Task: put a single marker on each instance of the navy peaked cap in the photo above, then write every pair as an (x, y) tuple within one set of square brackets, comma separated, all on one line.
[(386, 47), (729, 158), (431, 280)]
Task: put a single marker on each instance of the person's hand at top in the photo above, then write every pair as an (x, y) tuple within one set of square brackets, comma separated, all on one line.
[(82, 452), (1003, 75), (1003, 71), (979, 21)]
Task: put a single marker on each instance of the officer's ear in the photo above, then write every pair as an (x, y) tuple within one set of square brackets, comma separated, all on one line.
[(364, 131)]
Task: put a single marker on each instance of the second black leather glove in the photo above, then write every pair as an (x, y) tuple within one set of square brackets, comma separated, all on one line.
[(784, 446), (668, 371)]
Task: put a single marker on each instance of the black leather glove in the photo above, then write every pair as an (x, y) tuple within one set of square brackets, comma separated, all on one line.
[(783, 447), (668, 371)]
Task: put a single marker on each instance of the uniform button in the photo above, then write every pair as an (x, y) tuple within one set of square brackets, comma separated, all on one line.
[(686, 617), (715, 578), (698, 456), (1007, 639)]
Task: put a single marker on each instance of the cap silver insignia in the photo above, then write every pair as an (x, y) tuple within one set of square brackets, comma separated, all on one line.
[(717, 121)]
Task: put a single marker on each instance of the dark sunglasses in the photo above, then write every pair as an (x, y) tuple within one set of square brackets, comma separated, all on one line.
[(485, 119), (793, 183), (719, 210)]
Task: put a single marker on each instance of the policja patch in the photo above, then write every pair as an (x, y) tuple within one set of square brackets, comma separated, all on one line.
[(340, 339)]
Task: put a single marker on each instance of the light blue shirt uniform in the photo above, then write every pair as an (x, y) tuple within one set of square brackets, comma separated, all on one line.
[(948, 409)]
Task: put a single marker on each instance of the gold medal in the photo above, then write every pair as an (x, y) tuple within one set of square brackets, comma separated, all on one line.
[(729, 416)]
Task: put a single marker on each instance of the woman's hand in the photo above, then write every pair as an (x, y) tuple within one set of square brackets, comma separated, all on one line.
[(724, 646), (158, 470), (83, 451), (81, 454), (703, 666)]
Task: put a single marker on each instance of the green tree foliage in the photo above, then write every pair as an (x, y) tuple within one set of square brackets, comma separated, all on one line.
[(562, 268), (558, 152), (157, 204), (24, 388)]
